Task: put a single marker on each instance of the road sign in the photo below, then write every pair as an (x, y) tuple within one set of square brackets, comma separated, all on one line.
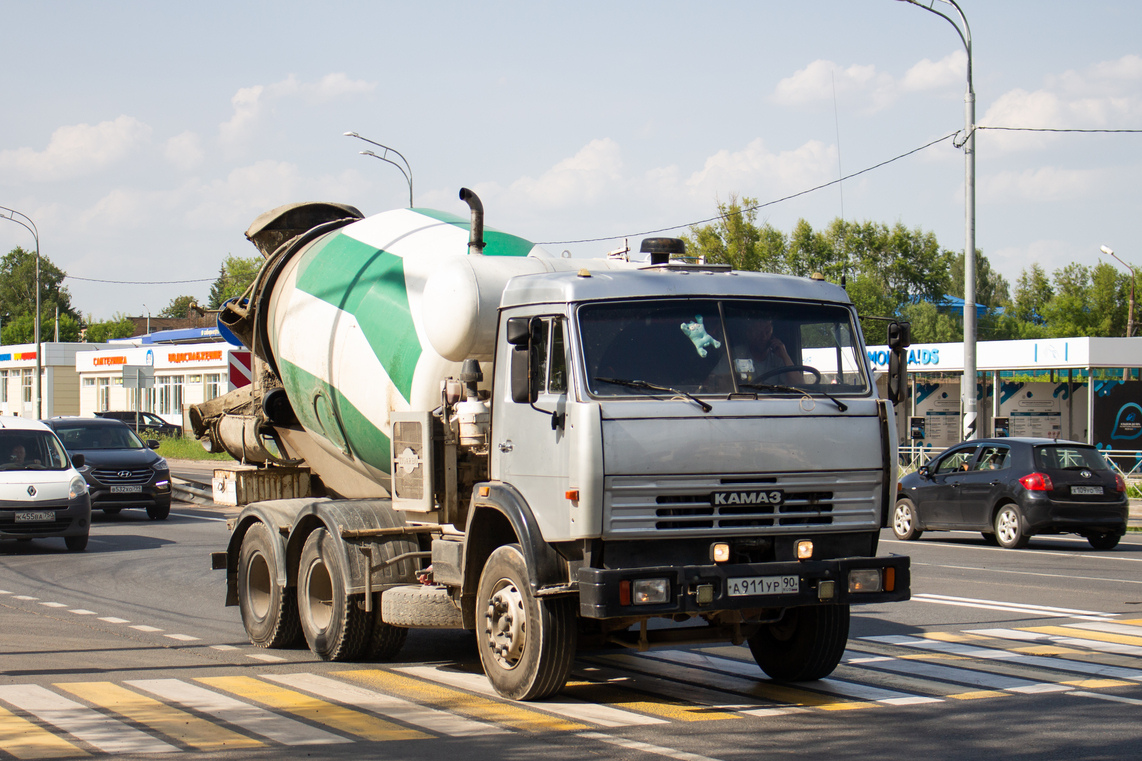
[(138, 376)]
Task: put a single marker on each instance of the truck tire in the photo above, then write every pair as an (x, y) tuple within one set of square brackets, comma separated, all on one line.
[(336, 627), (269, 612), (806, 644), (416, 606), (385, 641), (526, 645)]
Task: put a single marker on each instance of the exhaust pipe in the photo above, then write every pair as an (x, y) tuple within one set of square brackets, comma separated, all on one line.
[(476, 237)]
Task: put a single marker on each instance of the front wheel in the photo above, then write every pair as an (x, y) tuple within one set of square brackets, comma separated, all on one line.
[(904, 521), (335, 626), (806, 644), (76, 543), (159, 511), (526, 645), (1009, 528), (1103, 541)]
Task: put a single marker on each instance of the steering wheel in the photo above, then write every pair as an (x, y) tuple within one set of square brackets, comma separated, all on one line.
[(789, 369)]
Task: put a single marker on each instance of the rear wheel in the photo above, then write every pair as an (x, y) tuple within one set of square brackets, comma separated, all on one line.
[(1103, 541), (806, 644), (76, 543), (526, 645), (904, 521), (1009, 528), (336, 627), (269, 612)]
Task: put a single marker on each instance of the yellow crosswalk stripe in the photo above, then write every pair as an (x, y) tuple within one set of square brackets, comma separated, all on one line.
[(1045, 650), (1076, 633), (505, 714), (23, 739), (314, 709), (978, 694), (167, 720), (1091, 684), (605, 694)]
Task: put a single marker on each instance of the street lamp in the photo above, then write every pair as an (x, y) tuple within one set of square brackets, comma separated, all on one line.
[(967, 389), (1133, 277), (26, 222), (406, 170)]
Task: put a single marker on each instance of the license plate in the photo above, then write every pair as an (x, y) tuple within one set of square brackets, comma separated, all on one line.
[(35, 517), (126, 489), (1086, 490), (763, 585)]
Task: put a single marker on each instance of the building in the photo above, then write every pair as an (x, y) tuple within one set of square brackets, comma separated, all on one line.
[(59, 389)]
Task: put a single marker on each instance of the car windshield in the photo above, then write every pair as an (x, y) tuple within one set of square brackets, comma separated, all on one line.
[(1062, 457), (99, 437), (720, 346), (31, 450)]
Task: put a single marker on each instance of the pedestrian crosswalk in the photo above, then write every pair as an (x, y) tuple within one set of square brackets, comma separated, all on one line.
[(280, 706)]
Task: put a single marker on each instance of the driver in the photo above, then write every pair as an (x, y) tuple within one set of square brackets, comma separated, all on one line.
[(762, 352)]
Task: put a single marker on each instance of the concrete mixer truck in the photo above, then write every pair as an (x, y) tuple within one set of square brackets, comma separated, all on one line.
[(554, 453)]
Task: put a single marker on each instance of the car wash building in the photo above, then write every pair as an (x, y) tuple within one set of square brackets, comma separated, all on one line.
[(59, 384), (1082, 389)]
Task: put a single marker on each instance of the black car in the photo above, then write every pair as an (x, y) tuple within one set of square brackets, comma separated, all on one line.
[(142, 422), (1013, 488), (121, 471)]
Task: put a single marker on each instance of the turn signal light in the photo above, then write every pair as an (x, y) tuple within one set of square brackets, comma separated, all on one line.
[(1037, 482)]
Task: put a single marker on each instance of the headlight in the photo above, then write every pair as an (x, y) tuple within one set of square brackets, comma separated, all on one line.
[(160, 464), (866, 580), (77, 488)]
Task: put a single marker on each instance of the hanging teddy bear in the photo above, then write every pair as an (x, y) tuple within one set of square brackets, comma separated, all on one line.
[(696, 332)]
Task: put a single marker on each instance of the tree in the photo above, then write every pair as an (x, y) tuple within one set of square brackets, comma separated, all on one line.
[(1032, 292), (117, 327), (234, 277), (18, 287), (179, 307)]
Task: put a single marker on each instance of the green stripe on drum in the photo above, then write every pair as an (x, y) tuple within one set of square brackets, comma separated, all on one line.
[(496, 243), (328, 413), (369, 284)]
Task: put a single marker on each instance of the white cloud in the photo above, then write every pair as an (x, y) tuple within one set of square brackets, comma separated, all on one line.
[(755, 168), (76, 150), (591, 172), (1042, 184), (247, 107), (820, 79), (934, 75), (185, 151), (1013, 260), (251, 103)]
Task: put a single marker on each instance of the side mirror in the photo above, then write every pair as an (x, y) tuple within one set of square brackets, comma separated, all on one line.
[(518, 334), (78, 460), (923, 471), (153, 443), (899, 339)]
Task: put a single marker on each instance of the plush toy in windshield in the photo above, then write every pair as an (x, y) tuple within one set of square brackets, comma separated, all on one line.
[(696, 332)]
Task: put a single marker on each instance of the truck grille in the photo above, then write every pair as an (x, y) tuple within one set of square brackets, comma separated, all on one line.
[(683, 505), (119, 476)]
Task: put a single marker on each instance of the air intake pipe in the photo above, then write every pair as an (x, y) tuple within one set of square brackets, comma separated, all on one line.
[(476, 236)]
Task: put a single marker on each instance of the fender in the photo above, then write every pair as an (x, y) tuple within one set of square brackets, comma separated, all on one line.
[(337, 516), (280, 516), (544, 565)]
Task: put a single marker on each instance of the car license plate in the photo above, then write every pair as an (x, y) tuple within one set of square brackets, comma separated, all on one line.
[(1086, 490), (35, 517), (130, 489), (763, 585)]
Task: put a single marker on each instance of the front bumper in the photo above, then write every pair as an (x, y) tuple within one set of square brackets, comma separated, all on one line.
[(68, 518), (600, 595)]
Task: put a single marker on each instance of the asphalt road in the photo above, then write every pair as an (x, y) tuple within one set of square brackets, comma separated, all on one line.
[(126, 650)]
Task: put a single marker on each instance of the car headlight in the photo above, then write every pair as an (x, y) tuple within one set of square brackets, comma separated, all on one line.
[(160, 464), (77, 488)]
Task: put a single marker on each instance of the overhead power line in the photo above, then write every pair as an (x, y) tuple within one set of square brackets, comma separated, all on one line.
[(141, 282), (1059, 129)]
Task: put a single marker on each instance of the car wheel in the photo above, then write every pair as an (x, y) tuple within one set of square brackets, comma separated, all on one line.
[(904, 521), (1103, 541), (159, 512), (76, 543), (1009, 528)]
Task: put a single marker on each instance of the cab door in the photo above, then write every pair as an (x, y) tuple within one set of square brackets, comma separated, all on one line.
[(941, 501), (981, 486)]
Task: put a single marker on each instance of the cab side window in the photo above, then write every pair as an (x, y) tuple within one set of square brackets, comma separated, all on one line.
[(549, 356), (957, 461)]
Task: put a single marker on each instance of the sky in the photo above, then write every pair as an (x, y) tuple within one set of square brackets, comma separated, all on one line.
[(142, 138)]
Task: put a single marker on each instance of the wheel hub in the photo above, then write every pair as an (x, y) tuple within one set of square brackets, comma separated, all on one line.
[(1008, 526), (504, 624)]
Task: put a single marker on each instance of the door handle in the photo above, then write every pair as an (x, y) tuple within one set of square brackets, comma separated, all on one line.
[(507, 446)]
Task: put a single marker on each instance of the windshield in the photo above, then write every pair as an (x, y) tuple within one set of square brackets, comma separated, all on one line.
[(99, 437), (31, 450), (720, 346)]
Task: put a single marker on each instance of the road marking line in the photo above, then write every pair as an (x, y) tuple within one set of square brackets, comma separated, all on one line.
[(266, 657), (579, 710), (92, 727), (1104, 696), (113, 620), (1110, 627), (182, 637), (502, 713), (224, 647), (82, 612), (53, 605), (1066, 637), (1047, 611), (145, 628), (1096, 636), (250, 717), (167, 720), (26, 597), (23, 739), (439, 722), (624, 742), (313, 709)]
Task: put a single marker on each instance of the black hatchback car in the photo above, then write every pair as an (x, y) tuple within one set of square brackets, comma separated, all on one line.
[(1013, 488), (121, 471), (143, 423)]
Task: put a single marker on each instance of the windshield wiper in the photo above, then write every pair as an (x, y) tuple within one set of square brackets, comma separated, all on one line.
[(773, 387), (655, 387)]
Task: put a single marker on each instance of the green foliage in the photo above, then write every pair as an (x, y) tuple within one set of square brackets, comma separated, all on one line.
[(117, 327), (22, 329), (187, 448), (179, 307), (234, 277), (18, 289)]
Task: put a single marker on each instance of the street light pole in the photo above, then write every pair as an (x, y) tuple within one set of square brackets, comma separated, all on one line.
[(1133, 277), (406, 170), (26, 222), (968, 386)]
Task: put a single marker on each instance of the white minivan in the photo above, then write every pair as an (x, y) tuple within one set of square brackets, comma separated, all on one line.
[(42, 495)]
